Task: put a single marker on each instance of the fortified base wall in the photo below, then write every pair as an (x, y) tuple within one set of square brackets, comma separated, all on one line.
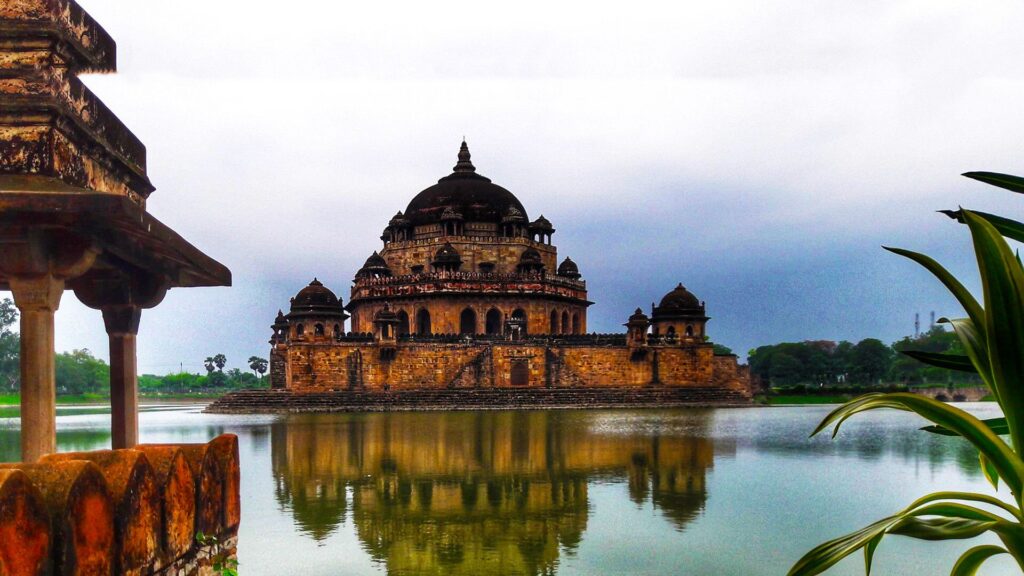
[(134, 511), (338, 366)]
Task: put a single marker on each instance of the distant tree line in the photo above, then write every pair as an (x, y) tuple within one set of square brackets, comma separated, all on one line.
[(869, 362), (79, 372)]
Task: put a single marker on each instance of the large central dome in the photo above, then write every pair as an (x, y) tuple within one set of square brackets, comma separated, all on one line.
[(472, 196)]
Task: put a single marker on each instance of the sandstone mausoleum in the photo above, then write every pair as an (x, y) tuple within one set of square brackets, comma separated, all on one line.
[(468, 293)]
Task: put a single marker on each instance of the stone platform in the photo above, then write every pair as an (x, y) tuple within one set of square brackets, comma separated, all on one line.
[(283, 401)]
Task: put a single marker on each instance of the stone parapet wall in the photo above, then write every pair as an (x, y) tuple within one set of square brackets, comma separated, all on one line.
[(502, 252), (410, 365), (133, 511)]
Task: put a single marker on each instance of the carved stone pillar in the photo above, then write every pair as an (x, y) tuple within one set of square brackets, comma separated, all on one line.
[(37, 299), (122, 324), (121, 296)]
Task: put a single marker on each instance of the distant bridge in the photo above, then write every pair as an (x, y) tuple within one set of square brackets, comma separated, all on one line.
[(971, 394)]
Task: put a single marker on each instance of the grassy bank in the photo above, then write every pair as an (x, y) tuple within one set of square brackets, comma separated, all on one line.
[(14, 399), (777, 399)]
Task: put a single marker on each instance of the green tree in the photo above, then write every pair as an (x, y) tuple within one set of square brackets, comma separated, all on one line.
[(78, 372), (220, 360), (870, 359), (259, 365), (209, 365), (10, 345), (785, 369)]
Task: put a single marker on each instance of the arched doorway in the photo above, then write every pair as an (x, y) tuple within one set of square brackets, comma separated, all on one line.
[(519, 315), (423, 323), (520, 374), (565, 322), (554, 322), (576, 323), (493, 321), (467, 322), (403, 323)]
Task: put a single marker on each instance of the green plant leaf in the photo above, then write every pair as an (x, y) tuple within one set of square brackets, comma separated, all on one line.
[(825, 555), (869, 552), (997, 425), (940, 528), (948, 509), (948, 361), (965, 496), (972, 338), (1002, 281), (970, 561), (1006, 462), (989, 471), (1007, 181), (970, 304), (1010, 228)]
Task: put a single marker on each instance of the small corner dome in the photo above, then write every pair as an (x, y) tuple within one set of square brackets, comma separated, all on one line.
[(569, 269), (316, 299), (679, 299), (375, 261), (638, 316), (398, 220), (542, 223), (375, 266)]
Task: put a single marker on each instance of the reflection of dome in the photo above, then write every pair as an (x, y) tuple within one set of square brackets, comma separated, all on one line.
[(463, 192), (316, 300), (569, 269), (680, 508)]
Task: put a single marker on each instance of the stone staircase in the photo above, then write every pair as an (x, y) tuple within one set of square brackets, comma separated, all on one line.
[(283, 401)]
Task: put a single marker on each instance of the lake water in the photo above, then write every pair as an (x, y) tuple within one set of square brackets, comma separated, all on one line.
[(717, 492)]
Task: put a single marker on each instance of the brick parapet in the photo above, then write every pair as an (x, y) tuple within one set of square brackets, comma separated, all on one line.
[(109, 511)]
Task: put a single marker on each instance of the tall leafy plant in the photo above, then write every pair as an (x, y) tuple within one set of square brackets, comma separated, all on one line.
[(992, 334)]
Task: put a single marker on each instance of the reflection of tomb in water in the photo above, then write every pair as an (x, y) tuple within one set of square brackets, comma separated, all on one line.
[(475, 492)]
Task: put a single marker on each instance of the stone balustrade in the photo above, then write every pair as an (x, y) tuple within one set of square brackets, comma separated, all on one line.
[(489, 277), (133, 511)]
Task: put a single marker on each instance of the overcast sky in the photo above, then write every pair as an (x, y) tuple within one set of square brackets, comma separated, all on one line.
[(758, 152)]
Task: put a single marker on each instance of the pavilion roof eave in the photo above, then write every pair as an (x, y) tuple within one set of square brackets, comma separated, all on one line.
[(124, 232)]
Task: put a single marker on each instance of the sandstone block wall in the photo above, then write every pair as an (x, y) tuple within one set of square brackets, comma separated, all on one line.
[(406, 365), (502, 253), (446, 314), (119, 511)]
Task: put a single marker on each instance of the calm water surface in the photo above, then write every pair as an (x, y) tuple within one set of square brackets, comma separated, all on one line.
[(730, 491)]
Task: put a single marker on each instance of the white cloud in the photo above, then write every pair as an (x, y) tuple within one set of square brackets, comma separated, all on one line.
[(282, 137)]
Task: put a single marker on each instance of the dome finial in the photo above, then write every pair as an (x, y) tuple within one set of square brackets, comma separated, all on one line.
[(464, 165)]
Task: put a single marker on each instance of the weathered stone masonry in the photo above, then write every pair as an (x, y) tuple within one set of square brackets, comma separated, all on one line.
[(466, 294)]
